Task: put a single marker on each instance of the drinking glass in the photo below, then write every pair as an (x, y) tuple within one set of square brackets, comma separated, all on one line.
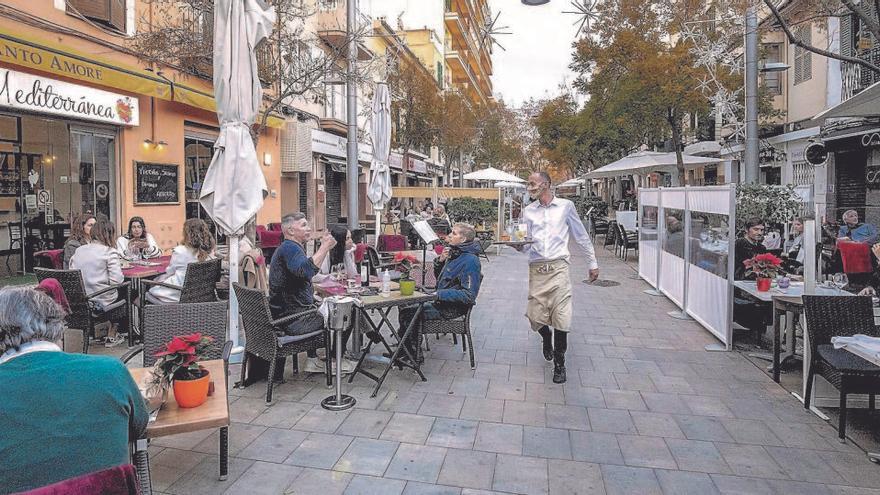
[(840, 280)]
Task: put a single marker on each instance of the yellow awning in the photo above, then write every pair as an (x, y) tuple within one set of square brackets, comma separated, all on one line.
[(53, 58)]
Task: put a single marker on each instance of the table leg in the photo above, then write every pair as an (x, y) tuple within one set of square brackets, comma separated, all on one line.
[(224, 451), (776, 316), (413, 324)]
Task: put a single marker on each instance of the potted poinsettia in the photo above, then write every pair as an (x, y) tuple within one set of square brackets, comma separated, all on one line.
[(764, 267), (178, 366), (405, 264)]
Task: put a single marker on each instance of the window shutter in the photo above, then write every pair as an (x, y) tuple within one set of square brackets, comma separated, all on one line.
[(117, 14), (111, 12), (846, 36)]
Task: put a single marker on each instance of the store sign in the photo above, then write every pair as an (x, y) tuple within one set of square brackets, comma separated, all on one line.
[(418, 166), (396, 161), (39, 94), (328, 144)]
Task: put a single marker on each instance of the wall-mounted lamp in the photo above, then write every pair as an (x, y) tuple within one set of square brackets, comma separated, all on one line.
[(157, 145), (267, 159)]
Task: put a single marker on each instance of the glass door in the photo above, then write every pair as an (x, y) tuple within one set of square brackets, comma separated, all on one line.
[(93, 168)]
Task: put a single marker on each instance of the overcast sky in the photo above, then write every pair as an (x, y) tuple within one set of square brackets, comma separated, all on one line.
[(538, 52)]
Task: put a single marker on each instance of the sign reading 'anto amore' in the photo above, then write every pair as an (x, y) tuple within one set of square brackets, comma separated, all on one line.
[(38, 94)]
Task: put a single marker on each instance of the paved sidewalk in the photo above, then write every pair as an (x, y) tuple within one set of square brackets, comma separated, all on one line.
[(646, 410)]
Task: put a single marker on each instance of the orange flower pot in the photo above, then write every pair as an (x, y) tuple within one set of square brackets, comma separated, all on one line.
[(763, 284), (192, 393)]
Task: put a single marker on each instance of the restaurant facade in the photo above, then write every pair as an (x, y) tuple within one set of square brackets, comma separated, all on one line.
[(81, 132)]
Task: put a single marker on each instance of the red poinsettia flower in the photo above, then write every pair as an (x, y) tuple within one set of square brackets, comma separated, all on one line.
[(177, 346), (768, 258), (194, 338)]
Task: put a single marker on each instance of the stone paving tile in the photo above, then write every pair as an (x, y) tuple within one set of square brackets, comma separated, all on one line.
[(453, 433), (703, 428), (416, 488), (499, 438), (410, 428), (371, 485), (282, 415), (576, 395), (364, 423), (468, 469), (656, 424), (502, 389), (624, 480), (367, 456), (319, 450), (545, 392), (202, 479), (529, 374), (568, 417), (240, 436), (739, 485), (550, 443), (853, 469), (322, 481), (695, 455), (751, 431), (572, 477), (416, 463), (469, 387), (750, 460), (400, 401), (685, 483), (805, 465), (611, 421), (482, 409), (519, 474), (273, 445), (321, 420), (645, 452), (265, 478), (595, 447), (442, 405), (524, 413), (624, 399)]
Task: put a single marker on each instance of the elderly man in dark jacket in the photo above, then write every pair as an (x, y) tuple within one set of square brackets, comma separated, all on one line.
[(458, 281)]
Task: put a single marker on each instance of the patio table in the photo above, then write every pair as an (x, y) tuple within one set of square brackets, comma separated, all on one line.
[(784, 301), (384, 305), (173, 420)]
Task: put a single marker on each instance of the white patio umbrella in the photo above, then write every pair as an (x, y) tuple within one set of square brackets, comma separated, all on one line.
[(234, 187), (649, 161), (492, 174), (379, 190), (510, 185)]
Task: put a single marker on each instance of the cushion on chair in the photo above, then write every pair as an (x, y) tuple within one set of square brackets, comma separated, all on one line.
[(845, 360), (106, 309), (856, 256), (390, 242), (119, 480)]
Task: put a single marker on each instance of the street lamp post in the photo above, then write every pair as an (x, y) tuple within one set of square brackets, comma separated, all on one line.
[(751, 151), (351, 115)]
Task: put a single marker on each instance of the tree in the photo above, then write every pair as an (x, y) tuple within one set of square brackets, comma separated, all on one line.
[(636, 75), (496, 144), (454, 123), (414, 102), (179, 34)]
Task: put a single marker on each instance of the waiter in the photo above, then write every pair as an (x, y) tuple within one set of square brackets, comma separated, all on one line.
[(550, 222)]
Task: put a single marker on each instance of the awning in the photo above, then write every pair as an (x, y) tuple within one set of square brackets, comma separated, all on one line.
[(645, 162), (60, 60), (703, 148), (864, 104), (337, 165)]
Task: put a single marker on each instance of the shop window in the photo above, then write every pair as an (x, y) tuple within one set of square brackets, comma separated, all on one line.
[(198, 151), (109, 12)]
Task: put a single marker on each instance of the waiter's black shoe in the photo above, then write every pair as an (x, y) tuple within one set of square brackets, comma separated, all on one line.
[(559, 367), (547, 338)]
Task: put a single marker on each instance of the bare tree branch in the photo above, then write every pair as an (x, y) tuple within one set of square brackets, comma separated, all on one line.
[(869, 21), (825, 53)]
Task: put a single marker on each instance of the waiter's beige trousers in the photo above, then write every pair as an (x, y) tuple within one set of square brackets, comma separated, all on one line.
[(549, 295)]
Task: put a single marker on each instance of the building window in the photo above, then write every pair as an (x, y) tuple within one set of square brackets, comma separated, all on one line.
[(334, 101), (803, 173), (109, 12), (803, 59), (328, 4), (773, 80), (440, 74)]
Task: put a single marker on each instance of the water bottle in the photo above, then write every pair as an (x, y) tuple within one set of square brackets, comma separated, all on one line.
[(386, 284)]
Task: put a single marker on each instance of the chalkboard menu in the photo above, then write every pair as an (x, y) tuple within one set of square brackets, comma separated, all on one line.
[(156, 183)]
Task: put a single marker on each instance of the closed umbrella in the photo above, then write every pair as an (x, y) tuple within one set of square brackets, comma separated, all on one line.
[(234, 187), (379, 191)]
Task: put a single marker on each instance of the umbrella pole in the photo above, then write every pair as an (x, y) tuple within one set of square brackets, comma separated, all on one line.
[(378, 213), (233, 301)]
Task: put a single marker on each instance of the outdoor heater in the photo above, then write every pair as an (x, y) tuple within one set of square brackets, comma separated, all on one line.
[(339, 317)]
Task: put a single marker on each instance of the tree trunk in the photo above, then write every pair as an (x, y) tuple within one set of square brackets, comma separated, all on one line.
[(675, 124)]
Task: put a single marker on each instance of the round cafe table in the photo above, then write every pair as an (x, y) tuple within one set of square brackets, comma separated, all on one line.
[(137, 271)]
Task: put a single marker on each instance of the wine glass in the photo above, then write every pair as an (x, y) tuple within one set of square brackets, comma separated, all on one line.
[(840, 280)]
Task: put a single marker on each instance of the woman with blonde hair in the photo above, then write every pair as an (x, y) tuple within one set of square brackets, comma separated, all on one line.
[(197, 245)]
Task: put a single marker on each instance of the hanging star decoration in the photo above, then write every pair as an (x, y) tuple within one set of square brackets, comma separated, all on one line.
[(586, 12), (491, 30)]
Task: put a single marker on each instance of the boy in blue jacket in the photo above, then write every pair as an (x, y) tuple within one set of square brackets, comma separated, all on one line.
[(458, 281)]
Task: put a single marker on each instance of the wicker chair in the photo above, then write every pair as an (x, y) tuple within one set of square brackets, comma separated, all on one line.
[(84, 315), (829, 316), (160, 324), (611, 234), (626, 241), (264, 337), (200, 285), (456, 326), (598, 226)]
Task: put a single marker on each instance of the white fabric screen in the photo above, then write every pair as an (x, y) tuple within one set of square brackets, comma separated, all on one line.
[(648, 240), (672, 277)]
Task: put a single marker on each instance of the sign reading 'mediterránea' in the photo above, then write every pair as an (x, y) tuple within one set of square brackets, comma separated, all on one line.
[(38, 94)]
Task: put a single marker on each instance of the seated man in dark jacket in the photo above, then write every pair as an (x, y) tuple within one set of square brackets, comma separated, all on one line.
[(747, 311), (458, 281)]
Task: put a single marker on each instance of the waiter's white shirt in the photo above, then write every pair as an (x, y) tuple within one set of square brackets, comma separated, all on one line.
[(550, 227)]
